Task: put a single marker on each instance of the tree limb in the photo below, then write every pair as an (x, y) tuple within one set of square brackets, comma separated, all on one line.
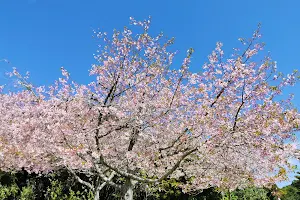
[(176, 165), (239, 109), (80, 180), (111, 176)]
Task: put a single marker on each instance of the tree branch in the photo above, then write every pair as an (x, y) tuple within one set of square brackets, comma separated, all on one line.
[(239, 109), (177, 164), (97, 131), (174, 142), (80, 180), (126, 174), (103, 177), (144, 180), (111, 176)]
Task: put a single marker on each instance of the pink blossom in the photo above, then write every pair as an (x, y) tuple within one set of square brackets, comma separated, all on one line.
[(223, 125)]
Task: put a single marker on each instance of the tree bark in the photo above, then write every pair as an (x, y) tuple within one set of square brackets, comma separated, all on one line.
[(101, 186), (97, 195), (129, 185)]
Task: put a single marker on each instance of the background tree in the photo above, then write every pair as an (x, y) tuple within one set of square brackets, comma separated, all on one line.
[(143, 121), (291, 191), (296, 183), (252, 193)]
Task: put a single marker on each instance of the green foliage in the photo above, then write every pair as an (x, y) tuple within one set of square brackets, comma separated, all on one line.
[(292, 192), (289, 193), (296, 183), (13, 191), (60, 191), (27, 193), (229, 196), (79, 195), (62, 186), (167, 189), (54, 192), (8, 191), (252, 193), (56, 186)]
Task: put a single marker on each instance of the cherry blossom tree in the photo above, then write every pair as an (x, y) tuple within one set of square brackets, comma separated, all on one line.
[(144, 120)]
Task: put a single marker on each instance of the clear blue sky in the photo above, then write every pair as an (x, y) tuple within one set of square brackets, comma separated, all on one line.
[(40, 36)]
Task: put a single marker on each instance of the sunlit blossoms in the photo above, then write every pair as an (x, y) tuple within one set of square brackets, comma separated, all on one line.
[(145, 120)]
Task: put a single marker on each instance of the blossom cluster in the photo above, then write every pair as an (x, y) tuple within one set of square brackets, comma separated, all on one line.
[(222, 126)]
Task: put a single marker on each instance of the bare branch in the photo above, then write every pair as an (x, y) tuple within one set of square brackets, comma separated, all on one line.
[(177, 164), (133, 138), (110, 96), (175, 92), (111, 176), (144, 180), (80, 180), (239, 109), (174, 142), (97, 131), (103, 177), (126, 174)]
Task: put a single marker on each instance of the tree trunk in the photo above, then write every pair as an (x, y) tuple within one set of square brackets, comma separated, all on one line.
[(97, 195), (97, 191), (128, 190)]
